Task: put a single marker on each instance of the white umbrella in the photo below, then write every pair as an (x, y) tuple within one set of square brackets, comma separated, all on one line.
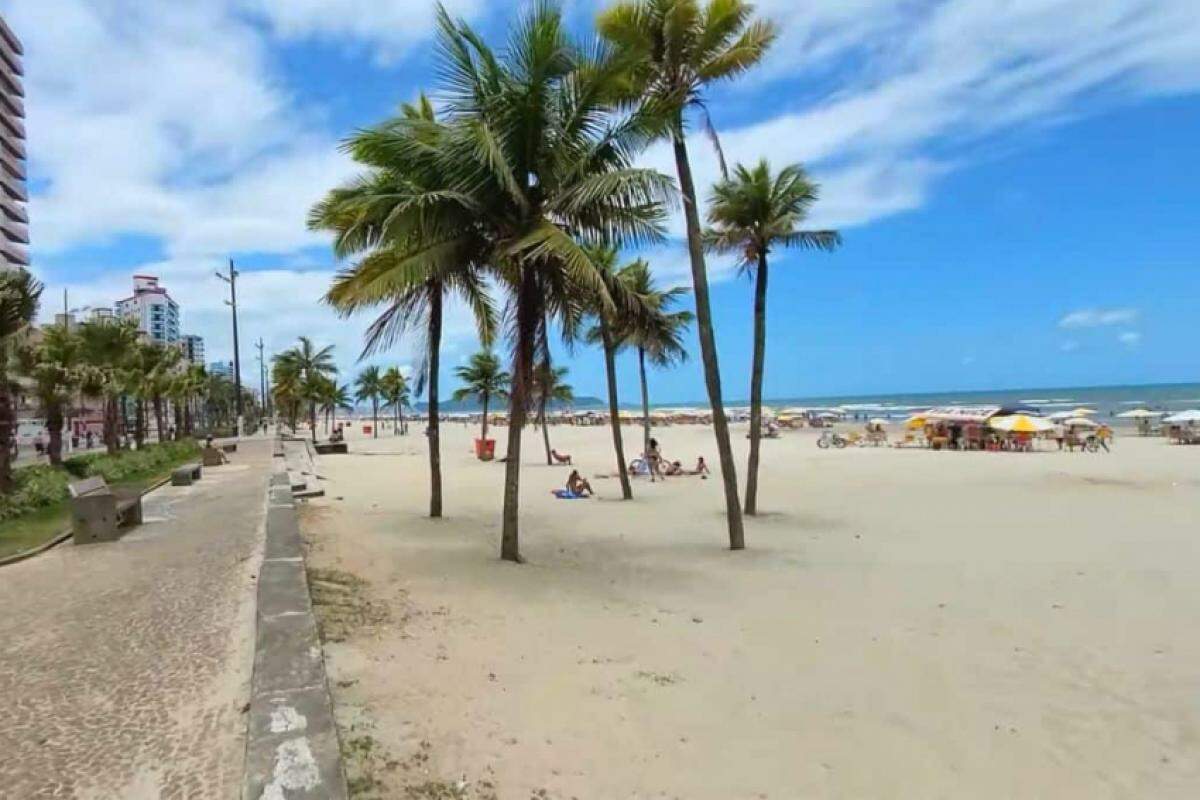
[(1058, 416), (1083, 412), (1080, 422), (879, 421), (1139, 413), (1189, 416)]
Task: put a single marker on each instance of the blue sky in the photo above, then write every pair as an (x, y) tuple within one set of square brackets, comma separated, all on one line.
[(1015, 182)]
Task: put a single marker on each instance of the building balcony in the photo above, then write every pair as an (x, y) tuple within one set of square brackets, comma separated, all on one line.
[(12, 125), (14, 254), (14, 231)]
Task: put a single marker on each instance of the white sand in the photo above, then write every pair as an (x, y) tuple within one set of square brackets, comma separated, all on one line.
[(903, 624)]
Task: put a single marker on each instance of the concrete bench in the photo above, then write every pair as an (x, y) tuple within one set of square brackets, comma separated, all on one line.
[(327, 448), (184, 475), (98, 512)]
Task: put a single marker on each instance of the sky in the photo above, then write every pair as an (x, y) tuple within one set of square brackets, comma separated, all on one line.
[(1015, 180)]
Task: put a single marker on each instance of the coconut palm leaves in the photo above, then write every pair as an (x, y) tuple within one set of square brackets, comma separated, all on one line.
[(20, 294), (482, 379), (395, 396), (299, 372), (673, 49), (52, 366), (368, 387), (750, 214)]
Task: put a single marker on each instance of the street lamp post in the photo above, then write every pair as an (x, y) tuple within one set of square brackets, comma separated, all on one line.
[(231, 279), (262, 377)]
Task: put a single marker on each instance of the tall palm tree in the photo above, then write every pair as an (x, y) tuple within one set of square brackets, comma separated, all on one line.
[(336, 396), (395, 396), (609, 318), (369, 386), (287, 388), (676, 48), (544, 169), (52, 366), (656, 335), (751, 213), (549, 387), (20, 294), (483, 378), (420, 245), (107, 345), (310, 364)]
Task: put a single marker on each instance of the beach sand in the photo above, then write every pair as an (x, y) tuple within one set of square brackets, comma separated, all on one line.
[(904, 623)]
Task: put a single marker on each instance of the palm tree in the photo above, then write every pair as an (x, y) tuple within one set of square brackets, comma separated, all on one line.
[(543, 169), (395, 396), (482, 379), (20, 294), (309, 365), (106, 346), (369, 386), (287, 389), (657, 335), (751, 213), (549, 387), (335, 396), (609, 318), (675, 49), (52, 365), (417, 252)]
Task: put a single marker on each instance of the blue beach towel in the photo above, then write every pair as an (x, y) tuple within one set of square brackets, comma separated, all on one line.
[(564, 494)]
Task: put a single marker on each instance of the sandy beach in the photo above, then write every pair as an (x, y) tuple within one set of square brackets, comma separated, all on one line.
[(904, 623)]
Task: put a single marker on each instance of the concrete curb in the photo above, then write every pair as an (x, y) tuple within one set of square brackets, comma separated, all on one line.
[(292, 749)]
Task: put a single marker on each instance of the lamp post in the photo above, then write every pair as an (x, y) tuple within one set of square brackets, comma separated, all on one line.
[(231, 279), (262, 378)]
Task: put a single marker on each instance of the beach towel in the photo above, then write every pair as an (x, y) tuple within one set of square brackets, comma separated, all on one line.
[(564, 494)]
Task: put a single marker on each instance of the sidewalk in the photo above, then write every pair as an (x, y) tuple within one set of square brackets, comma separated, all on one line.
[(126, 666)]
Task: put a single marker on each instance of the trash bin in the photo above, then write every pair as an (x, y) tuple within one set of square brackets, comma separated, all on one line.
[(485, 449), (367, 429)]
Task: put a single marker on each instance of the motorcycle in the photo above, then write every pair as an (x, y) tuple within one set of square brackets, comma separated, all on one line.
[(831, 439)]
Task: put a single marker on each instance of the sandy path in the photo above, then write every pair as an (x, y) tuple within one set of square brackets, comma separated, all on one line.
[(904, 624)]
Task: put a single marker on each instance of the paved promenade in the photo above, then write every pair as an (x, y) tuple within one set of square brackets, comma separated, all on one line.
[(125, 667)]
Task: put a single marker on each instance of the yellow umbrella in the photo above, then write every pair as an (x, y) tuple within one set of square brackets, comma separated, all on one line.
[(1020, 423), (913, 423)]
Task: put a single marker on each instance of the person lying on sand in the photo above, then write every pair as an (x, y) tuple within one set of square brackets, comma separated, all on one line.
[(560, 458), (674, 468)]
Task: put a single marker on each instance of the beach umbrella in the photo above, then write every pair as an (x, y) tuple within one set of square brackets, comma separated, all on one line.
[(1139, 413), (879, 421), (1080, 422), (915, 422), (1021, 423), (1189, 416), (1083, 412)]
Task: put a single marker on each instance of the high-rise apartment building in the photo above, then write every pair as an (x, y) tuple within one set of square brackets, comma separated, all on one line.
[(156, 314), (193, 349), (222, 368), (14, 222)]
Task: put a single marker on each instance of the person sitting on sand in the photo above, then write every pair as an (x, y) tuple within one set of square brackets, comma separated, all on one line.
[(701, 467), (560, 458), (578, 485), (674, 468)]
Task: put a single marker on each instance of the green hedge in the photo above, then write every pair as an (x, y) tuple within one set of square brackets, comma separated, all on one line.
[(42, 486)]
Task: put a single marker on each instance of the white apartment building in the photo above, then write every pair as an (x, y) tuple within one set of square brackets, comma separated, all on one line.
[(193, 349), (156, 314)]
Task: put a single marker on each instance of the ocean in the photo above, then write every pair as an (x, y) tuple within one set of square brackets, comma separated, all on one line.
[(1106, 400)]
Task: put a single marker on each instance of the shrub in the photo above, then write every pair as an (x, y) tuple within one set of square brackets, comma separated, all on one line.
[(34, 488), (40, 486)]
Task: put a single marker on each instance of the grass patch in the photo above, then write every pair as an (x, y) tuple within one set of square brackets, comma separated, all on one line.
[(38, 508)]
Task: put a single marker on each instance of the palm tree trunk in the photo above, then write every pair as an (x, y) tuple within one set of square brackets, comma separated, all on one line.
[(177, 407), (139, 423), (312, 420), (545, 429), (435, 441), (708, 343), (54, 425), (6, 432), (610, 367), (187, 417), (522, 373), (110, 425), (483, 433), (160, 419), (645, 401), (375, 417), (756, 383)]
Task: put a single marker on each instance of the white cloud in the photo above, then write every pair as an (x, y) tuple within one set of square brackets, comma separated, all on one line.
[(1098, 317), (1129, 338), (1069, 346), (390, 28)]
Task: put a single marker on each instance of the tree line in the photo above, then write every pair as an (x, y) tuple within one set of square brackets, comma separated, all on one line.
[(106, 360), (522, 183)]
